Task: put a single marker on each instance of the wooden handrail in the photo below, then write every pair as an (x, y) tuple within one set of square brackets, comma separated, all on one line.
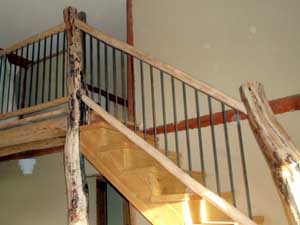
[(198, 188), (280, 152), (35, 108), (278, 106), (176, 73), (30, 40)]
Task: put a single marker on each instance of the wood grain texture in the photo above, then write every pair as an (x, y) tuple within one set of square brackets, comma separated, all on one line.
[(195, 186), (280, 152), (30, 40), (76, 198), (178, 74), (36, 108), (34, 118), (33, 132)]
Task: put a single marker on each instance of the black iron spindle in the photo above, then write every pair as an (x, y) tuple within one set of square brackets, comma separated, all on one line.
[(2, 76), (175, 122), (115, 82), (23, 99), (3, 86), (31, 74), (200, 141), (64, 75), (124, 108), (57, 65), (187, 130), (10, 77), (153, 106), (91, 67), (106, 78), (164, 111), (99, 71), (44, 70), (143, 99), (14, 85), (50, 68), (20, 82), (244, 168), (213, 138), (228, 153), (37, 73)]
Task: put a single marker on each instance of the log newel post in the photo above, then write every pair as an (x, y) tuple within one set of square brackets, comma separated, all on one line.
[(280, 152), (77, 201)]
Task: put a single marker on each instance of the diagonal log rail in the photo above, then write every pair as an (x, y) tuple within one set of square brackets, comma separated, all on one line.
[(279, 150), (199, 189), (172, 71)]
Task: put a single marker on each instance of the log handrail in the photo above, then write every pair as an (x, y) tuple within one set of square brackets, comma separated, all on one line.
[(36, 37), (195, 186), (282, 155), (176, 73), (36, 108)]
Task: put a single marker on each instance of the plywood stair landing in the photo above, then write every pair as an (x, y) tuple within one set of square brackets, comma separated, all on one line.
[(156, 193)]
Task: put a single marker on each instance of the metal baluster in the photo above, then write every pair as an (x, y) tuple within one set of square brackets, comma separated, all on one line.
[(187, 130), (3, 86), (9, 84), (64, 75), (175, 122), (133, 94), (25, 79), (31, 75), (37, 73), (123, 88), (200, 141), (91, 67), (50, 68), (228, 154), (153, 106), (115, 82), (143, 99), (20, 82), (14, 85), (2, 75), (164, 110), (44, 70), (57, 64), (245, 174), (211, 117), (99, 71), (106, 78)]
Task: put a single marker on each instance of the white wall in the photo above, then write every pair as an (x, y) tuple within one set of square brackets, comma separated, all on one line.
[(21, 19), (226, 44)]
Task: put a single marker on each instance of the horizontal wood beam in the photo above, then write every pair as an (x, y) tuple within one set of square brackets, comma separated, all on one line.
[(112, 97), (32, 153), (279, 106), (168, 69), (36, 108), (30, 40)]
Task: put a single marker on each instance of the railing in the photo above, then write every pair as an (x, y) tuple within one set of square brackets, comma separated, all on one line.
[(164, 99), (40, 74)]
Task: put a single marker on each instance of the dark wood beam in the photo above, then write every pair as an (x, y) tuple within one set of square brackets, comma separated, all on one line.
[(112, 97), (279, 106), (32, 153), (101, 204)]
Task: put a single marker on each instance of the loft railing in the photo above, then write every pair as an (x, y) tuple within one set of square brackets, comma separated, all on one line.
[(162, 97), (38, 73)]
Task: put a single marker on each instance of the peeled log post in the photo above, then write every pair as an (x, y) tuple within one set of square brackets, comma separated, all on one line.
[(280, 152), (77, 201)]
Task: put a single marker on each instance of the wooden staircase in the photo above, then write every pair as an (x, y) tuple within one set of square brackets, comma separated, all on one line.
[(156, 193)]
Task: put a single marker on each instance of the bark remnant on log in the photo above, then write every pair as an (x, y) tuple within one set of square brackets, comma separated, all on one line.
[(77, 201), (280, 152)]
